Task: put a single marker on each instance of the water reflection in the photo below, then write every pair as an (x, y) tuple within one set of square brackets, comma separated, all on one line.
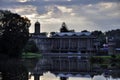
[(50, 76), (99, 77)]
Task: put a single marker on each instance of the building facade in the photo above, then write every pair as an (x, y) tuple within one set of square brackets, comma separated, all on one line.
[(65, 51)]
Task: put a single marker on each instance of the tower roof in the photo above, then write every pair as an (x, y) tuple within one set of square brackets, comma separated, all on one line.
[(37, 22)]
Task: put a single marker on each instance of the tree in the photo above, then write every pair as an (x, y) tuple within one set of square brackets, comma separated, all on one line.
[(113, 60), (84, 31), (97, 33), (31, 47), (100, 37), (115, 34), (14, 33), (64, 28)]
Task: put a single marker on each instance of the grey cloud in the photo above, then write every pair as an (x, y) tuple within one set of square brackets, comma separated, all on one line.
[(58, 2), (94, 14)]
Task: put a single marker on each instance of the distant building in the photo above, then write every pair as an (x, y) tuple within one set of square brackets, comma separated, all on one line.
[(65, 51)]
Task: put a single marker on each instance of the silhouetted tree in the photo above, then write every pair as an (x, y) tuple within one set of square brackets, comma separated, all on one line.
[(31, 47), (96, 33), (113, 60), (64, 28), (84, 31), (100, 37), (115, 34), (14, 33)]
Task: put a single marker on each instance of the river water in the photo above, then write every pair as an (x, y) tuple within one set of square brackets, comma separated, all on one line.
[(50, 76)]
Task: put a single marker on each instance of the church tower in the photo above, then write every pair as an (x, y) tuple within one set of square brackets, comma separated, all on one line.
[(37, 27)]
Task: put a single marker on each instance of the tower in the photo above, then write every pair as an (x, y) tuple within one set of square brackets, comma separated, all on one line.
[(37, 28)]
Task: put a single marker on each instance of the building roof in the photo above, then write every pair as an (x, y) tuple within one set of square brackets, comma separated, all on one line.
[(37, 22), (71, 34)]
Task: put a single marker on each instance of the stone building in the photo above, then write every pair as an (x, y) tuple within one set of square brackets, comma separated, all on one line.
[(65, 51)]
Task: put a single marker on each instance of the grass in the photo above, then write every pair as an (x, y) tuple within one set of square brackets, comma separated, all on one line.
[(31, 55)]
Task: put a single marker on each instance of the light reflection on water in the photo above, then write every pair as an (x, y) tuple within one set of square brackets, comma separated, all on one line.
[(71, 78), (50, 76)]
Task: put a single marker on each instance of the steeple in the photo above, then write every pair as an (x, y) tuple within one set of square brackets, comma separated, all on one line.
[(37, 27)]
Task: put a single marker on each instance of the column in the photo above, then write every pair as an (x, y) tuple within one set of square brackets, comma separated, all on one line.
[(78, 46), (60, 46), (69, 45)]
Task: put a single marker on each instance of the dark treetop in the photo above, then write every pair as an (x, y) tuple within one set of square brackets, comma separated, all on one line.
[(14, 33)]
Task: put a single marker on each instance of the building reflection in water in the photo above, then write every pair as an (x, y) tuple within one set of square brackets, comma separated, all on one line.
[(50, 76)]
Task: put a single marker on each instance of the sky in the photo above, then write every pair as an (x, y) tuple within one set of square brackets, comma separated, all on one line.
[(79, 15)]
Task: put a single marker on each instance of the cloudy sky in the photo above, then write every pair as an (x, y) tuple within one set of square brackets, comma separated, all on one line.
[(77, 14)]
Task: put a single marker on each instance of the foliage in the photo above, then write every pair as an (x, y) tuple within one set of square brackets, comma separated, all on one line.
[(115, 34), (112, 61), (96, 33), (14, 33), (84, 31), (31, 47), (100, 37), (64, 28), (115, 61)]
